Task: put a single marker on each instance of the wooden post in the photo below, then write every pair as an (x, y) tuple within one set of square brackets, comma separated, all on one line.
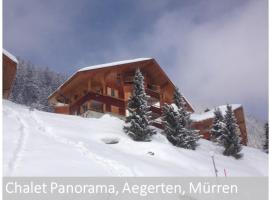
[(214, 164)]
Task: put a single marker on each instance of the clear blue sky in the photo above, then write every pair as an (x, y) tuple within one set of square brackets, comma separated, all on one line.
[(215, 51)]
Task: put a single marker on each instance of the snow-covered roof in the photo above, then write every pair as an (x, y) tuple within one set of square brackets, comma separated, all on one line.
[(12, 57), (102, 66), (210, 114), (113, 64)]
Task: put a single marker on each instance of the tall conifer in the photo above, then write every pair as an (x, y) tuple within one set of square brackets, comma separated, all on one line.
[(177, 126), (230, 137), (138, 121)]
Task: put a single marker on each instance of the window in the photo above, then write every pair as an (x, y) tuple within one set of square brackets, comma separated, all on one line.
[(112, 92), (109, 91), (118, 79), (97, 106)]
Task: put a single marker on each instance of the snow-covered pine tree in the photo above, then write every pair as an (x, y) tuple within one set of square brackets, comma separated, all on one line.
[(266, 146), (176, 122), (217, 126), (178, 98), (230, 136), (172, 125), (179, 101), (33, 85), (138, 121)]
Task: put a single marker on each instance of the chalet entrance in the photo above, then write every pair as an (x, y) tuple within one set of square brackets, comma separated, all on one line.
[(96, 106)]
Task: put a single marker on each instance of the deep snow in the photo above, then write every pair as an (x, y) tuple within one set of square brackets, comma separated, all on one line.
[(38, 143)]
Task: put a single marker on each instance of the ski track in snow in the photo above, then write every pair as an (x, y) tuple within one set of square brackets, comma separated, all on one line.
[(18, 152), (112, 166)]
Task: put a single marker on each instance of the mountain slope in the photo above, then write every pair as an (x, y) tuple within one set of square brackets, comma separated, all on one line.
[(38, 143), (256, 132)]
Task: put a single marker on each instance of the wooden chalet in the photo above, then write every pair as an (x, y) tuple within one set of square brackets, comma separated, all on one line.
[(203, 121), (9, 67), (106, 88)]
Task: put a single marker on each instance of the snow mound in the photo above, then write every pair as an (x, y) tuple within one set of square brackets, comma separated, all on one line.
[(37, 143), (110, 140)]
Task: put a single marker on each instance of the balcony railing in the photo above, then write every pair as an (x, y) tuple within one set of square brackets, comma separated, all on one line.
[(152, 93)]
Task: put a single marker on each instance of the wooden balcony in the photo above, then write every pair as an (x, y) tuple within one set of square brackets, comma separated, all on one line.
[(158, 125), (156, 110), (107, 100), (128, 79), (152, 93)]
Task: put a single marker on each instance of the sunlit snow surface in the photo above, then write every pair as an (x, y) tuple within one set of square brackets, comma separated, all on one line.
[(45, 144)]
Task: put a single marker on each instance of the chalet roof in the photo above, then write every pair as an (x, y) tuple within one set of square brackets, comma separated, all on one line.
[(12, 57), (99, 66), (196, 117), (113, 64)]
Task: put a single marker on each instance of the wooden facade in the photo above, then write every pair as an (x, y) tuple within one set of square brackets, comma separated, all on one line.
[(106, 89), (9, 67)]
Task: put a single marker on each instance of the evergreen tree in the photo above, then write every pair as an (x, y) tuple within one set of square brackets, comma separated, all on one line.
[(266, 146), (180, 103), (218, 125), (178, 98), (230, 136), (137, 123), (176, 122), (33, 85)]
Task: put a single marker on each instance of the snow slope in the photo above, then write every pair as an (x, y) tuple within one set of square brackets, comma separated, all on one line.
[(46, 144)]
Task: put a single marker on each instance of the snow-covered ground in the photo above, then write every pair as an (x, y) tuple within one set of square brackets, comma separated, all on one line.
[(46, 144)]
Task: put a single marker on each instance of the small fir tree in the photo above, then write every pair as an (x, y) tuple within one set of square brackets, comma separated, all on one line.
[(176, 122), (206, 110), (218, 125), (230, 135), (266, 146), (138, 122), (180, 103)]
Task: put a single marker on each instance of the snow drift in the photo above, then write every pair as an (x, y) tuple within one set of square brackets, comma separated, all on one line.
[(38, 143)]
